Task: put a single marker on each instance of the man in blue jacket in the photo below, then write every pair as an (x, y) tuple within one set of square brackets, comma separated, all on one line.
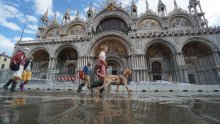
[(86, 79)]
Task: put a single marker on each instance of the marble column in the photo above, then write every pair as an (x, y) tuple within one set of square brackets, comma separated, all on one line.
[(181, 72)]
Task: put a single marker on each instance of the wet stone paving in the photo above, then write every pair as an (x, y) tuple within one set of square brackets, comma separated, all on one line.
[(69, 107)]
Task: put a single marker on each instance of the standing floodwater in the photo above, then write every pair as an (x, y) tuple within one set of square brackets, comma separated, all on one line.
[(37, 107)]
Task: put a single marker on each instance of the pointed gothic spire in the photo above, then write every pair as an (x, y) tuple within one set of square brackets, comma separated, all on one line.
[(133, 9), (77, 13), (161, 8), (46, 13), (196, 9), (55, 21), (90, 7), (66, 16), (147, 5), (68, 11), (90, 13), (175, 4), (44, 18), (160, 3), (133, 3)]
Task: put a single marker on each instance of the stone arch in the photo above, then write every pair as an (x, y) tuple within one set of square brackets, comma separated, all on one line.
[(74, 24), (211, 44), (115, 34), (116, 46), (113, 61), (32, 51), (50, 28), (182, 15), (160, 51), (202, 52), (63, 46), (41, 62), (152, 17), (108, 14), (66, 59), (170, 45)]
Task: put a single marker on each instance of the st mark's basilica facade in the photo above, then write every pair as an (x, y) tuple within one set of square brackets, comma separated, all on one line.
[(177, 46)]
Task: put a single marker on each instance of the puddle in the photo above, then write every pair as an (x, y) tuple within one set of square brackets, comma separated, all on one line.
[(70, 108)]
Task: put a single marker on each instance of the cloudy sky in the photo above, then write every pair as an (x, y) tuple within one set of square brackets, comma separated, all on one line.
[(13, 14)]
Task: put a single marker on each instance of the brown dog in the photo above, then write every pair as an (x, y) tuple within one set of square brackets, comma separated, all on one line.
[(118, 79)]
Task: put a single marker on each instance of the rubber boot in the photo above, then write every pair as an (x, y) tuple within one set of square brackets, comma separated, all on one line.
[(80, 87), (7, 84), (13, 86), (94, 84), (21, 86), (97, 83)]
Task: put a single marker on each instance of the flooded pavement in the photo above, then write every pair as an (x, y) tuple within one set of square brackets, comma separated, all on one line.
[(38, 107)]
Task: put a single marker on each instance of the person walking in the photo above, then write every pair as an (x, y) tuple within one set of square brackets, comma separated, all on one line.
[(17, 66), (102, 61), (86, 79), (26, 76), (101, 66)]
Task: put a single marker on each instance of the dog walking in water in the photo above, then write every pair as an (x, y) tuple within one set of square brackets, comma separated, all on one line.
[(118, 79)]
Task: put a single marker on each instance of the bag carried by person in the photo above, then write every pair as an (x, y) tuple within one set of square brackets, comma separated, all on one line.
[(14, 67), (81, 74)]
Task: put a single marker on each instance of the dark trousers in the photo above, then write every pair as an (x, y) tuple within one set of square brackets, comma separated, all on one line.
[(13, 86), (81, 86), (97, 83)]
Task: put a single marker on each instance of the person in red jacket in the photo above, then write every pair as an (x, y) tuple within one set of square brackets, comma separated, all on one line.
[(19, 58)]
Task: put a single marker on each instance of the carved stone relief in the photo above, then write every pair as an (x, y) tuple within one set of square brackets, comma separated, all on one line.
[(149, 23), (158, 51), (114, 46), (179, 22), (76, 29), (53, 32)]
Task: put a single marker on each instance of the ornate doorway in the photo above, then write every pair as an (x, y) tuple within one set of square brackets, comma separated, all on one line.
[(159, 58), (66, 61), (198, 57), (157, 71), (114, 66)]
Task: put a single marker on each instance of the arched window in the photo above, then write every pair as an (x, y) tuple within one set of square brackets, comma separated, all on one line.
[(112, 24)]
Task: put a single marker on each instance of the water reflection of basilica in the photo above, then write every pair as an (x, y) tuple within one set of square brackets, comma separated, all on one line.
[(126, 111), (178, 46), (83, 109)]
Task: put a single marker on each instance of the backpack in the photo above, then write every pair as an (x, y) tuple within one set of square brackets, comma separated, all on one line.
[(81, 74)]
